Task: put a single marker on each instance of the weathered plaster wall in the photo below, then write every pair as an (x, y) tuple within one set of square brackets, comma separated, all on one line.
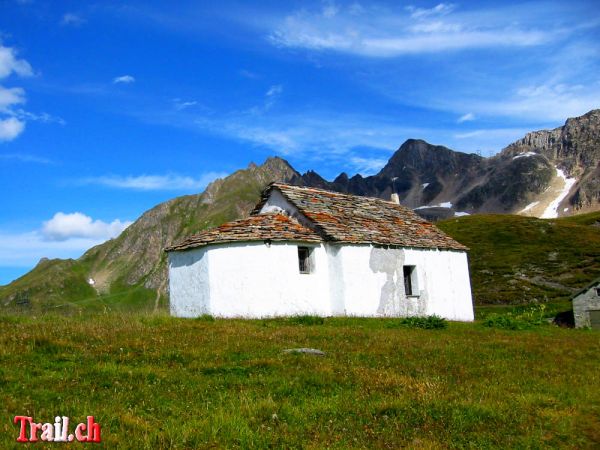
[(373, 282), (189, 287), (444, 282), (256, 280), (584, 302)]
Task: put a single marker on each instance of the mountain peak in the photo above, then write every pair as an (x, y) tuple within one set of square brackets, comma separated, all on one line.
[(279, 166), (411, 142)]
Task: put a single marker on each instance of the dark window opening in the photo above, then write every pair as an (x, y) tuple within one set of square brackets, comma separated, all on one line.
[(598, 291), (410, 287), (304, 260)]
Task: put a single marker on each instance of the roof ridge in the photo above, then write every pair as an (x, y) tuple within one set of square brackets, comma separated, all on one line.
[(341, 194)]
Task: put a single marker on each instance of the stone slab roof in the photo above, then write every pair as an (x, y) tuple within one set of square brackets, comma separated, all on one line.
[(362, 220), (332, 217), (591, 285), (274, 227)]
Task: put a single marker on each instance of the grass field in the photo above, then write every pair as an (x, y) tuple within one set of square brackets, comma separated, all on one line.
[(153, 381)]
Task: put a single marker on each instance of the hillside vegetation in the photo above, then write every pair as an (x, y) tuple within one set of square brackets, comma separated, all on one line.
[(515, 260), (160, 382)]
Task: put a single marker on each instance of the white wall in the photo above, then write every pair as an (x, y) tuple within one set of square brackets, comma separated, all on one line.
[(337, 289), (374, 282), (189, 288), (256, 280)]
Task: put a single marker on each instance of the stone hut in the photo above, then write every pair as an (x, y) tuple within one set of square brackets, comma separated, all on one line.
[(586, 306), (310, 251)]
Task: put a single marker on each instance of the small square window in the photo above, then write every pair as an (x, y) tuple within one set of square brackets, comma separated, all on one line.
[(598, 291), (410, 280), (305, 260)]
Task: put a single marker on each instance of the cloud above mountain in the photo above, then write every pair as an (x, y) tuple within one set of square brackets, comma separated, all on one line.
[(168, 182), (63, 226)]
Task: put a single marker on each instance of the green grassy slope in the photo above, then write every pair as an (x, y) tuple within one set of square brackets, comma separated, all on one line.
[(516, 259), (159, 382), (51, 282)]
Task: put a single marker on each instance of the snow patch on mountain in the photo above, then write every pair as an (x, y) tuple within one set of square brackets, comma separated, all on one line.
[(525, 155), (528, 207), (552, 210)]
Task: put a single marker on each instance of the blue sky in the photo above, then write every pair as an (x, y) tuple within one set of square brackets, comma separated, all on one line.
[(109, 108)]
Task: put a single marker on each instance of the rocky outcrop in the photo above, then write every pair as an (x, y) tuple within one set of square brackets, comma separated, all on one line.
[(573, 148)]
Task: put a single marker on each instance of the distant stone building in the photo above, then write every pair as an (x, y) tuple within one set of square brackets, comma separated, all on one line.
[(311, 251), (586, 306)]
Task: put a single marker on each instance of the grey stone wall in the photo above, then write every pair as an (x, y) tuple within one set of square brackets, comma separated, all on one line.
[(583, 303)]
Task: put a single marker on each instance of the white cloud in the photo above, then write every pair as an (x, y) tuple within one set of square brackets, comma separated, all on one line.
[(488, 141), (540, 90), (550, 101), (466, 118), (13, 119), (181, 104), (316, 135), (26, 158), (41, 117), (9, 63), (382, 33), (10, 97), (272, 96), (367, 166), (359, 142), (72, 19), (125, 79), (274, 90), (10, 128), (283, 141), (170, 182), (77, 225), (249, 74), (440, 9), (63, 236)]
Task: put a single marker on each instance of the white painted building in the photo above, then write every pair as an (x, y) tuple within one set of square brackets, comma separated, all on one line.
[(310, 251)]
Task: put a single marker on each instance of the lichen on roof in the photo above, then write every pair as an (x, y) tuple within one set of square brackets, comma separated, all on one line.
[(332, 217), (362, 220), (260, 227)]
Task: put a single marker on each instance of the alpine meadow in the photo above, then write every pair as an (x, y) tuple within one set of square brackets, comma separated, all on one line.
[(340, 224)]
